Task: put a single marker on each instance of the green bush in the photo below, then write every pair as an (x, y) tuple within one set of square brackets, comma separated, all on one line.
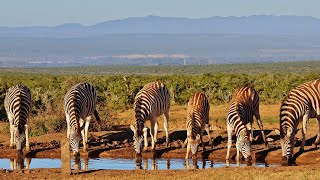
[(116, 92)]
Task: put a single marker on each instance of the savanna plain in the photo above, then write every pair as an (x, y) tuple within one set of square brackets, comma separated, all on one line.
[(117, 86)]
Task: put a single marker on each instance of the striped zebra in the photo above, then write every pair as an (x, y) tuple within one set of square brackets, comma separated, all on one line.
[(243, 106), (197, 122), (18, 105), (79, 105), (302, 103), (152, 101)]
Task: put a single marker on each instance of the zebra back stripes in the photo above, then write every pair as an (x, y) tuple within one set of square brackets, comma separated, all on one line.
[(302, 103), (18, 105), (79, 105), (197, 122), (151, 101), (243, 106)]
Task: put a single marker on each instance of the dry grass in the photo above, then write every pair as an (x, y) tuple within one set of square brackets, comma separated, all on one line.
[(269, 115), (295, 172)]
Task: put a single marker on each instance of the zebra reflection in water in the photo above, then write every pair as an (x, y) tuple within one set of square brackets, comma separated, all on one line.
[(77, 163), (18, 163), (154, 164), (195, 164)]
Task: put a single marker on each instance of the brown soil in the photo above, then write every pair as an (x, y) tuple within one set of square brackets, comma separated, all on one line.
[(118, 144)]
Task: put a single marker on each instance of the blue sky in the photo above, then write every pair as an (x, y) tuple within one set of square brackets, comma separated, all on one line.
[(54, 12)]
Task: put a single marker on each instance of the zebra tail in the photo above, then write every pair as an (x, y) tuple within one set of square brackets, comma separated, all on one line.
[(96, 115)]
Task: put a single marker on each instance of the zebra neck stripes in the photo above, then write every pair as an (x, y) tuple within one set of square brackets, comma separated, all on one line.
[(302, 103)]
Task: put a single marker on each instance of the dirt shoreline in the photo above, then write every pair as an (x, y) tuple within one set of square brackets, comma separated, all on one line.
[(118, 144)]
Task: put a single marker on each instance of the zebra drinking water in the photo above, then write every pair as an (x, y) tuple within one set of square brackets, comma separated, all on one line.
[(79, 105), (197, 122), (302, 103), (18, 105), (151, 101), (243, 106)]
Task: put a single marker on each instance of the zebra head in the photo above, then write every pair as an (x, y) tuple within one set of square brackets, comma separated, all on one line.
[(194, 142), (286, 141), (137, 139), (19, 138), (243, 144), (74, 139)]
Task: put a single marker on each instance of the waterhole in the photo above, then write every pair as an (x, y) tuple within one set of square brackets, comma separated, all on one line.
[(119, 164)]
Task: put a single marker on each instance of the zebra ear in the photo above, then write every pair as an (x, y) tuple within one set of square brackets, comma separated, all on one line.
[(133, 129)]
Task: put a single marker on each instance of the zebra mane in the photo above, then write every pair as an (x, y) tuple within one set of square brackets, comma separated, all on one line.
[(249, 85), (193, 133)]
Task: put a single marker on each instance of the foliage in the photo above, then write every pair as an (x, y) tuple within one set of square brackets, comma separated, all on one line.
[(116, 92)]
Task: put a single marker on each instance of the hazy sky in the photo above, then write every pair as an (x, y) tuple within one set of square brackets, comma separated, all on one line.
[(88, 12)]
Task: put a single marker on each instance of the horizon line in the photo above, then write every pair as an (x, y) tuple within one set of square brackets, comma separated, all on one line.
[(153, 15)]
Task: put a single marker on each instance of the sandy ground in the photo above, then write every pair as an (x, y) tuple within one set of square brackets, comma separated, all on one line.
[(118, 144)]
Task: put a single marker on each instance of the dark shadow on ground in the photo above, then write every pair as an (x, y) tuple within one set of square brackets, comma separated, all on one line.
[(95, 153)]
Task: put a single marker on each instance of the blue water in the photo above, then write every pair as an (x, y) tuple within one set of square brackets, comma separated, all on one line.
[(124, 164)]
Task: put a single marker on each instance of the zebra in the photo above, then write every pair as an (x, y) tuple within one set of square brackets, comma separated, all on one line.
[(79, 105), (243, 106), (302, 103), (197, 122), (18, 105), (152, 101)]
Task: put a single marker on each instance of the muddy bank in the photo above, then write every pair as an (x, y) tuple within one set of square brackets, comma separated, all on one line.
[(118, 144)]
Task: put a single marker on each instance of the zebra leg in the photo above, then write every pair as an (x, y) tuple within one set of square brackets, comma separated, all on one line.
[(145, 135), (305, 122), (317, 141), (262, 131), (28, 161), (27, 138), (86, 129), (12, 164), (188, 149), (81, 122), (229, 130), (249, 127), (207, 127), (10, 117), (165, 124), (155, 132), (152, 133), (185, 141), (238, 154), (68, 125), (11, 135)]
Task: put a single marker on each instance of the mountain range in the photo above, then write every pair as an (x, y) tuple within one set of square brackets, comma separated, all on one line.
[(154, 40), (257, 24)]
